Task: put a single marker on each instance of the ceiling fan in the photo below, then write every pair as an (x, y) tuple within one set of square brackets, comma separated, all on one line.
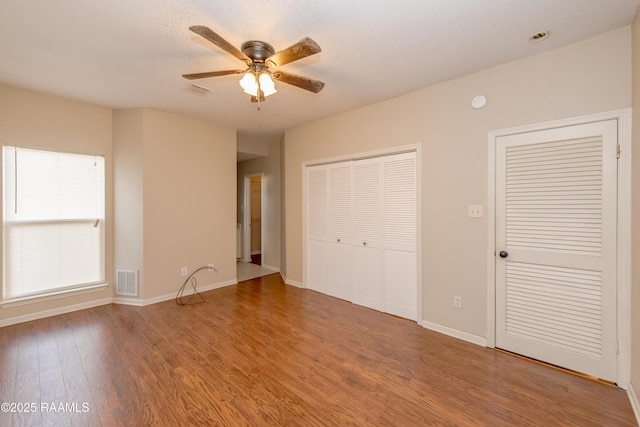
[(262, 64)]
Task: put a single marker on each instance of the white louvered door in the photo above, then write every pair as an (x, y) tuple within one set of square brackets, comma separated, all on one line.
[(340, 230), (367, 231), (556, 246), (399, 253), (361, 232), (317, 244)]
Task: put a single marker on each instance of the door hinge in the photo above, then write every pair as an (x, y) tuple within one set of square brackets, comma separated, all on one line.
[(617, 151), (617, 347)]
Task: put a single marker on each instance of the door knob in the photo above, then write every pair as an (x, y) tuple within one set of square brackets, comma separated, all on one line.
[(504, 254)]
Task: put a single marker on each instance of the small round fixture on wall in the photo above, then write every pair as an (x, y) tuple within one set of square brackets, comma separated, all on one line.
[(539, 36), (479, 102)]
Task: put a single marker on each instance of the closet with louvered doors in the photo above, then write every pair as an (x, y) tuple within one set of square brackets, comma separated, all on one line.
[(361, 232)]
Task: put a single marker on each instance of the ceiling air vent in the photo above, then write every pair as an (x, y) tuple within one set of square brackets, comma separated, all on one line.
[(198, 90)]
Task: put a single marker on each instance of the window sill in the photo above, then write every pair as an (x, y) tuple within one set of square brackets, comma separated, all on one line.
[(32, 299)]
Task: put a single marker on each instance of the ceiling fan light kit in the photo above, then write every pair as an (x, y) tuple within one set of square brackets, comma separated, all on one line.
[(262, 62), (254, 82)]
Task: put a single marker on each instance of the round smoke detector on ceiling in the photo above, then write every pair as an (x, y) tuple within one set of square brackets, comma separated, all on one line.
[(479, 102), (538, 37)]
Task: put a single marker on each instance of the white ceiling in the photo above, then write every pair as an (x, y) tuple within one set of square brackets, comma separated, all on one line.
[(132, 53)]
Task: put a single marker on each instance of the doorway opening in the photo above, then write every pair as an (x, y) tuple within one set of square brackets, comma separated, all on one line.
[(253, 254)]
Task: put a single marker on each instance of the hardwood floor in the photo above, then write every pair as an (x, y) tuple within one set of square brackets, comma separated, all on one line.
[(263, 353)]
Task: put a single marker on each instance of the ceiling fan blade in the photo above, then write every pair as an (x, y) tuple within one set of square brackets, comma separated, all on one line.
[(305, 47), (214, 38), (195, 76), (306, 83)]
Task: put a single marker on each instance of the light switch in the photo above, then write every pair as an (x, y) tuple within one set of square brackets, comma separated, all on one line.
[(474, 211)]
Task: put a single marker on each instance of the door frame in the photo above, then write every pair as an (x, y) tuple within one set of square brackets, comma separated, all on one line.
[(623, 269), (246, 230)]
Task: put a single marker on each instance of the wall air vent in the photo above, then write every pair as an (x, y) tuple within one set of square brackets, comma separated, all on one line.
[(127, 283)]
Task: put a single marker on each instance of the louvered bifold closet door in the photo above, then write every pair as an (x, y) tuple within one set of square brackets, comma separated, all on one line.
[(367, 232), (555, 223), (317, 243), (340, 230), (399, 240)]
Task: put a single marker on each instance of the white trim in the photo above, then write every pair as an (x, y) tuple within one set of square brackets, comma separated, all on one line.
[(464, 336), (128, 301), (109, 300), (53, 295), (635, 404), (294, 283), (623, 117), (624, 247), (419, 312), (365, 155), (491, 240), (246, 221), (188, 291), (54, 312)]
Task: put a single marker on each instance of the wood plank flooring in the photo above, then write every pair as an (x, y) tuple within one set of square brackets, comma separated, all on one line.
[(262, 353)]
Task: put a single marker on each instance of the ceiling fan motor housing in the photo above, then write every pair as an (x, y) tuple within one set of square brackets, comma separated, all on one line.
[(257, 50)]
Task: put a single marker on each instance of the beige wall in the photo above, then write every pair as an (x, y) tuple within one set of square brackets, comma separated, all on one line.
[(269, 166), (587, 77), (36, 120), (635, 286), (180, 208), (128, 195)]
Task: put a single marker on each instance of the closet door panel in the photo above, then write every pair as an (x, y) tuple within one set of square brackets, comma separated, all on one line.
[(399, 200), (317, 266), (317, 262), (367, 232), (341, 271), (400, 284), (340, 230)]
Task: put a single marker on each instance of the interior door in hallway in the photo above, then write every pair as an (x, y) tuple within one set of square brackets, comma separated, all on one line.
[(256, 215), (555, 265)]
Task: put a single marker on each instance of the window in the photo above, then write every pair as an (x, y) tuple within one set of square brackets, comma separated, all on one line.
[(53, 223)]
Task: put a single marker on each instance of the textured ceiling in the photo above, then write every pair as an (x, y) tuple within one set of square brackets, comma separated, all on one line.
[(132, 53)]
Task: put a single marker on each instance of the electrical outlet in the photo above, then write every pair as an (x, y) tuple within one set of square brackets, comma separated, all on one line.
[(474, 211), (211, 267), (457, 302), (183, 271)]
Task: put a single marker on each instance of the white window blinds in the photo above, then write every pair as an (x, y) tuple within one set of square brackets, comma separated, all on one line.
[(53, 221)]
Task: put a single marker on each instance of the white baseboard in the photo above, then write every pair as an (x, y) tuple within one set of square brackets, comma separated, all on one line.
[(54, 312), (270, 267), (128, 301), (633, 398), (109, 300), (290, 282), (474, 339), (188, 291)]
